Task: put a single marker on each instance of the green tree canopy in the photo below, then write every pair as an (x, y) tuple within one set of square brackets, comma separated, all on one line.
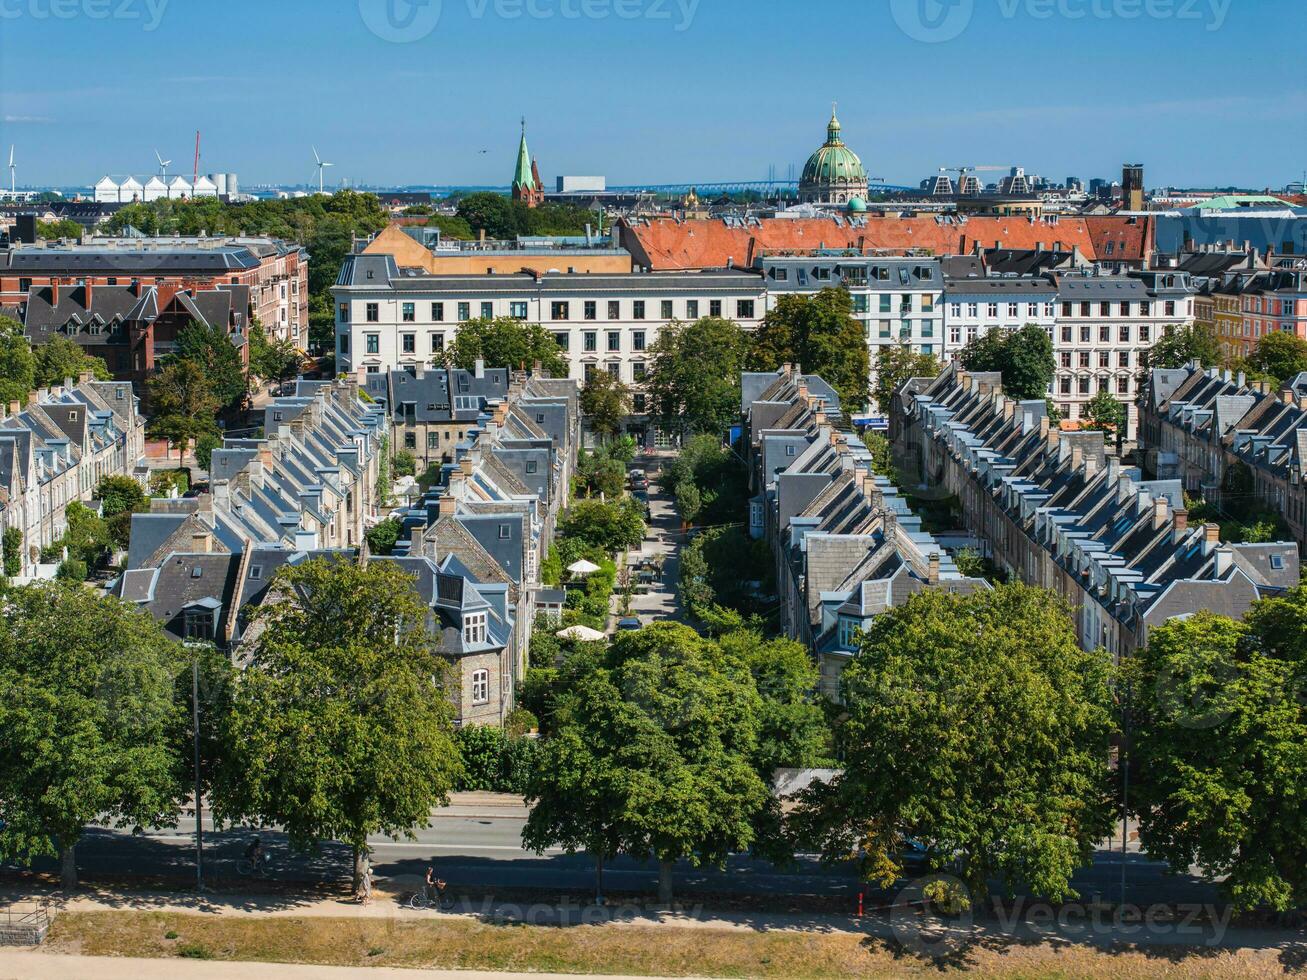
[(509, 343), (182, 403), (88, 721), (59, 359), (272, 360), (17, 363), (1104, 412), (1279, 355), (1024, 357), (1219, 748), (652, 754), (895, 364), (977, 727), (340, 726), (611, 526), (210, 347), (120, 497), (694, 375), (818, 333), (605, 403), (1179, 345)]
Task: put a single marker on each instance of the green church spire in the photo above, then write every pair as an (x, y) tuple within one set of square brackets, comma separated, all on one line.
[(522, 175)]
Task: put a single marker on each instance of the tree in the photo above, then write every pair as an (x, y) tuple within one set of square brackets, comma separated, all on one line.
[(608, 525), (272, 360), (508, 343), (340, 726), (1024, 357), (1218, 749), (895, 364), (819, 333), (88, 721), (605, 403), (977, 727), (60, 358), (489, 212), (60, 228), (652, 755), (1279, 355), (210, 347), (694, 375), (120, 497), (688, 502), (17, 363), (182, 403), (1104, 412), (597, 472), (382, 537), (13, 552), (204, 447), (87, 538), (1179, 345)]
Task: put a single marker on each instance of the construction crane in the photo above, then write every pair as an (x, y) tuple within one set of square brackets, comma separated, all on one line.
[(195, 174), (967, 184)]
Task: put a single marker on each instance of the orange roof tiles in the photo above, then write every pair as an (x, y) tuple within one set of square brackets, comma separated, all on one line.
[(664, 243)]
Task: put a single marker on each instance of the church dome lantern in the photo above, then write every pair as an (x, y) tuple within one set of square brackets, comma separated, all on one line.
[(833, 174)]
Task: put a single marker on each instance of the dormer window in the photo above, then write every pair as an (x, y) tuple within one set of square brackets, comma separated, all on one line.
[(72, 416), (474, 628), (1277, 561), (198, 625), (849, 629)]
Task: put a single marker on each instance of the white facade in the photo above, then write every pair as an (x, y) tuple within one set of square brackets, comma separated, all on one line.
[(602, 322), (155, 189)]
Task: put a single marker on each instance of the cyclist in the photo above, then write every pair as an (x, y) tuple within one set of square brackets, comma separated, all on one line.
[(435, 886), (254, 854)]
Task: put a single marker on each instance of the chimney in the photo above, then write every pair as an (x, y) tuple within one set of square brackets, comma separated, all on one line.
[(86, 294), (1113, 470), (54, 292), (1077, 454), (1181, 524), (1159, 512), (201, 542), (932, 569), (447, 506), (415, 542), (465, 466), (1211, 538), (15, 407), (479, 367), (1091, 467), (1224, 559)]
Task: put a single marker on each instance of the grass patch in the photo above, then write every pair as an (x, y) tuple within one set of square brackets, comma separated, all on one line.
[(457, 943)]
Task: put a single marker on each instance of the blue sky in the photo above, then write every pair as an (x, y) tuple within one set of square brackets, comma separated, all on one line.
[(1200, 91)]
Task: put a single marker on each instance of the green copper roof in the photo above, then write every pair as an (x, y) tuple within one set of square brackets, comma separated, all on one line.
[(857, 204), (522, 175), (833, 162)]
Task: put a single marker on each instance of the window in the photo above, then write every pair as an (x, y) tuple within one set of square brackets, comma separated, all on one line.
[(373, 343), (1123, 359), (848, 632), (955, 309), (614, 368), (1277, 561), (637, 309), (1123, 334), (1125, 307), (1013, 310), (256, 572), (666, 310), (1145, 308), (780, 275), (474, 630), (991, 311), (433, 440), (1123, 386), (714, 307), (488, 310), (1104, 334), (821, 273), (1085, 309), (744, 309), (886, 303), (692, 309), (480, 686), (561, 339), (591, 340), (614, 309), (614, 340), (1104, 309), (1104, 359), (531, 466), (1066, 309), (437, 312), (789, 450), (504, 532), (1169, 307), (344, 313), (637, 401), (437, 342), (590, 310), (884, 328), (1065, 358), (408, 343), (1145, 333), (410, 440), (408, 312), (198, 625), (1084, 335), (973, 310), (1084, 386), (517, 309), (373, 312), (464, 312), (1066, 386), (1066, 335), (637, 340), (637, 371), (559, 310), (955, 336), (344, 343), (1084, 358), (927, 303)]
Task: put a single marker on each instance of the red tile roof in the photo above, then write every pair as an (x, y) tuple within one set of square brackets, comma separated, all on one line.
[(665, 243)]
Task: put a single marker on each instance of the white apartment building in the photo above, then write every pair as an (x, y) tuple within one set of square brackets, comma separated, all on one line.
[(388, 318), (1104, 326), (977, 301), (897, 299)]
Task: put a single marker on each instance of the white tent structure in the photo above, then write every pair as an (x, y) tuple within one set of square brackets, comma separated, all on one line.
[(579, 632), (582, 567)]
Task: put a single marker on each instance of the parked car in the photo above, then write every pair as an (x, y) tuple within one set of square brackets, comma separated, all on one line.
[(639, 480), (628, 623)]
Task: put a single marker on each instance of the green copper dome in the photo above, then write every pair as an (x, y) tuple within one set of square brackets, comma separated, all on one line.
[(833, 163), (857, 204)]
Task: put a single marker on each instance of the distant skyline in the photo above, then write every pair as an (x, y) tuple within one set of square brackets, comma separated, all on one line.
[(1202, 92)]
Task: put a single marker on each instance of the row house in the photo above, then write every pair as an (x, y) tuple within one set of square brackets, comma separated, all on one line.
[(472, 546), (845, 544), (1104, 327), (275, 272), (56, 447), (1212, 430), (1059, 510)]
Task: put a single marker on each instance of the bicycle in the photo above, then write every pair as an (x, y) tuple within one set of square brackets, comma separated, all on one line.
[(421, 900), (250, 868)]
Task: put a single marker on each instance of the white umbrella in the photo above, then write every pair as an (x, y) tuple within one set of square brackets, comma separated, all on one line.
[(580, 632), (582, 567)]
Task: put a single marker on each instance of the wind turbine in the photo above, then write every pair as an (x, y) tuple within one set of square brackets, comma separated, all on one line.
[(163, 164), (322, 165), (12, 187)]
